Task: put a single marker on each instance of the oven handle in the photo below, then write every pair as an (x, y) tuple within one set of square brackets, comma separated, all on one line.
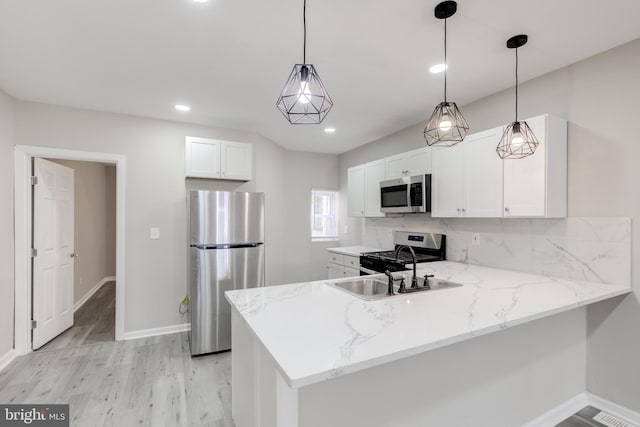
[(367, 272)]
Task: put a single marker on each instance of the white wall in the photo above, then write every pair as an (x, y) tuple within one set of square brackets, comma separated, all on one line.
[(304, 172), (93, 213), (7, 140), (155, 197), (599, 97)]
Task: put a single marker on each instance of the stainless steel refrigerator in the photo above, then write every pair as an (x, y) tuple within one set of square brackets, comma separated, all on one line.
[(226, 252)]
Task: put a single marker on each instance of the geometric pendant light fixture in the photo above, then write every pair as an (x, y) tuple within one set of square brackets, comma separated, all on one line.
[(446, 126), (518, 140), (304, 99)]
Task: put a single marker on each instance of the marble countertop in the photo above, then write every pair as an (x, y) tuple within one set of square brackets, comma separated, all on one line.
[(335, 333), (355, 250)]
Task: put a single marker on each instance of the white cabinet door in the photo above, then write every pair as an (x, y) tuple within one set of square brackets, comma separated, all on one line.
[(415, 162), (236, 161), (446, 181), (335, 271), (355, 190), (374, 172), (482, 175), (395, 166), (202, 157), (525, 179), (418, 162)]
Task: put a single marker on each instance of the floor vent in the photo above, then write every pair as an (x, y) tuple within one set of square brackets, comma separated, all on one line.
[(610, 421)]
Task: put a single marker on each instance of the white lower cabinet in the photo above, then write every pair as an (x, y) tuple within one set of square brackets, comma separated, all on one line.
[(340, 266), (467, 178)]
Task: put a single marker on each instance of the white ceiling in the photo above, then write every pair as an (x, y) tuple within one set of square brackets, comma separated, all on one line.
[(228, 59)]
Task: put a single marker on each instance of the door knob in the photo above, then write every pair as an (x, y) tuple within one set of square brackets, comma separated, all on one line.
[(73, 255)]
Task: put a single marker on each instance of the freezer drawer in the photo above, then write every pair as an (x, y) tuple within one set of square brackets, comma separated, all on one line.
[(212, 272), (224, 217)]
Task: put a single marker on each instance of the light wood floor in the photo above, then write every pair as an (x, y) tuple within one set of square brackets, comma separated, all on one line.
[(93, 323), (583, 418), (145, 382)]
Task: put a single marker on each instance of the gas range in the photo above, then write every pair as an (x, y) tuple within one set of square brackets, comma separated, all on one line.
[(428, 247)]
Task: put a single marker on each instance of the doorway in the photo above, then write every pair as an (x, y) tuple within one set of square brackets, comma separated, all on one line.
[(23, 223), (74, 230)]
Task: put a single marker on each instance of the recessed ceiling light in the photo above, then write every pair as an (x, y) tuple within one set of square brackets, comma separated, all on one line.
[(182, 107), (330, 130), (200, 1), (438, 68)]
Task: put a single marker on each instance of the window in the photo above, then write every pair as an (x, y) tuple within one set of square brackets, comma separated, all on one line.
[(324, 215)]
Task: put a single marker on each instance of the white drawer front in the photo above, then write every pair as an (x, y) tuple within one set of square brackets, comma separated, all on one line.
[(352, 261), (336, 258)]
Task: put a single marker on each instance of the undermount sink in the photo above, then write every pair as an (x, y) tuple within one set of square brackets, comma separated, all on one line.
[(373, 288)]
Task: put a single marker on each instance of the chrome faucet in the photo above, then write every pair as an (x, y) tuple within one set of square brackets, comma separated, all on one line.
[(414, 279)]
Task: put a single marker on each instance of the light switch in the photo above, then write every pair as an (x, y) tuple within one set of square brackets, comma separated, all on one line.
[(155, 233)]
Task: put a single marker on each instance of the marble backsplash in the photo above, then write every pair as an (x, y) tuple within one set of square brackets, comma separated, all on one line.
[(591, 249)]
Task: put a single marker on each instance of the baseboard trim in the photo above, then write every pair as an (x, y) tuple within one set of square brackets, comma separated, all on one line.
[(93, 290), (165, 330), (560, 412), (7, 358), (619, 411)]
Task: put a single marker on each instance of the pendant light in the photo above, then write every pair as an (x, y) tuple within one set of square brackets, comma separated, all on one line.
[(446, 126), (518, 140), (304, 99)]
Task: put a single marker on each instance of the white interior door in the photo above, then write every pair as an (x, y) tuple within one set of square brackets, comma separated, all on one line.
[(53, 210)]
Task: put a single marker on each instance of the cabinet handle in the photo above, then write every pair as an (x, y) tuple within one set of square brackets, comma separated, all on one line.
[(458, 209), (506, 209), (464, 210)]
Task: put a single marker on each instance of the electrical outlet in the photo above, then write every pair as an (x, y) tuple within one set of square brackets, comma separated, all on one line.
[(154, 233), (475, 239), (346, 230)]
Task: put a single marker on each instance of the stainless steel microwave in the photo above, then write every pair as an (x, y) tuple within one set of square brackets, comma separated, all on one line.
[(411, 194)]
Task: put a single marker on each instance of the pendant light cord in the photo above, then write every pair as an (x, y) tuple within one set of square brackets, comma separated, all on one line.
[(445, 60), (304, 24), (516, 84)]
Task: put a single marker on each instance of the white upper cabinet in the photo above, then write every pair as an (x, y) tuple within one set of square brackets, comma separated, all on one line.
[(470, 180), (217, 159), (482, 196), (415, 162), (536, 186), (446, 181), (202, 157), (364, 189), (467, 178), (236, 161), (355, 190), (374, 173)]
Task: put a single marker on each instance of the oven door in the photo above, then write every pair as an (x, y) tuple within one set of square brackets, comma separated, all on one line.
[(394, 196)]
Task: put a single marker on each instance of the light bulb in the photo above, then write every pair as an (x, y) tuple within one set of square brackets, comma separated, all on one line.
[(304, 94), (445, 123), (517, 140)]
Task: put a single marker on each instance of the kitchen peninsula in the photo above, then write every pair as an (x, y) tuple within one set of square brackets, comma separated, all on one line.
[(312, 355)]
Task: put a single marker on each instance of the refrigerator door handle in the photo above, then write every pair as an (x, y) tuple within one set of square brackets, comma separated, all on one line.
[(229, 246)]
